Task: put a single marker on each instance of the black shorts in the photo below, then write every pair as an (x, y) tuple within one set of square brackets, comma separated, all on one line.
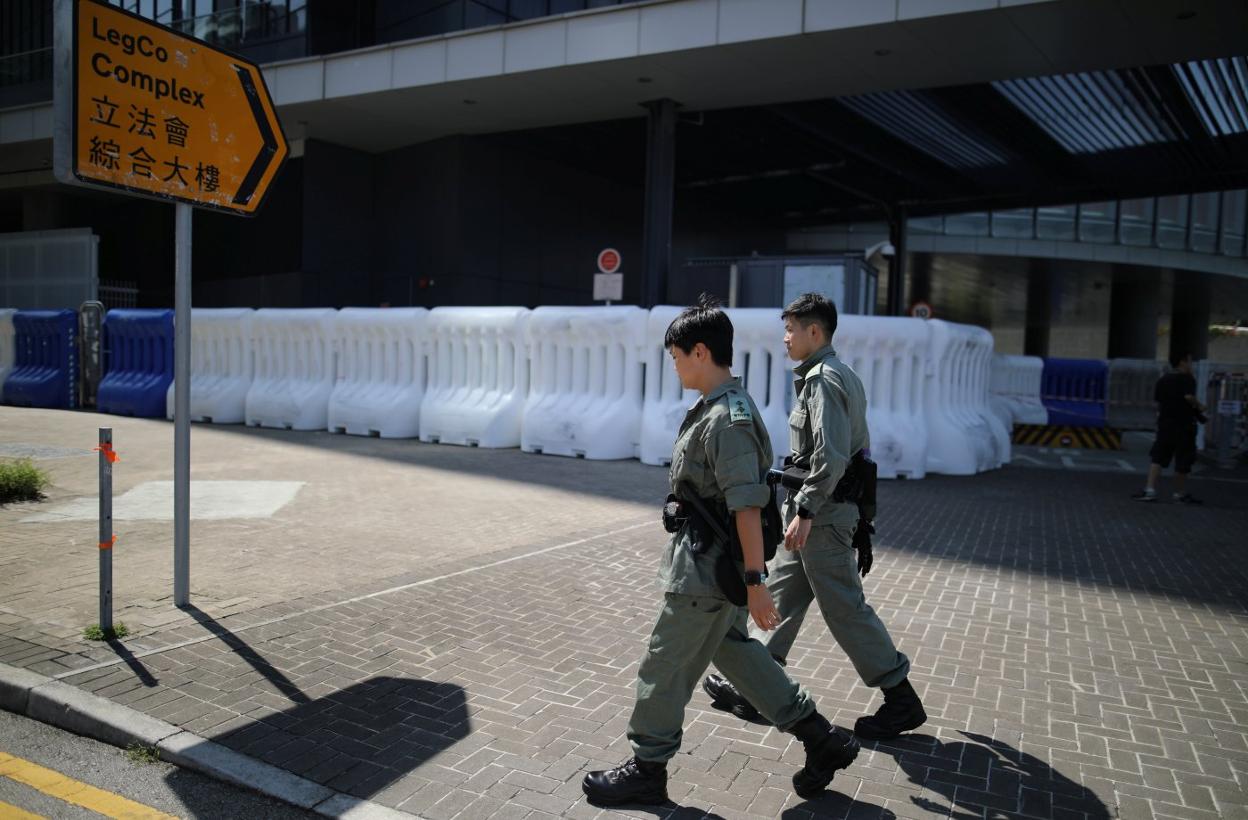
[(1177, 441)]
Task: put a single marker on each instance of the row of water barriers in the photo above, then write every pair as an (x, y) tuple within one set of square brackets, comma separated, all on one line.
[(593, 382)]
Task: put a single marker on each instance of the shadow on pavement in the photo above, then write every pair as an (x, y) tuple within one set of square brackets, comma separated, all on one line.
[(984, 777), (241, 648), (1080, 527), (362, 739), (136, 666)]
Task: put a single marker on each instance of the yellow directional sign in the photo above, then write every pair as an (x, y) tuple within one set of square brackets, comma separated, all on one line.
[(156, 113)]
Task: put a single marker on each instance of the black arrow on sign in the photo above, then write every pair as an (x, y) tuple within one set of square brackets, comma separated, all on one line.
[(261, 163)]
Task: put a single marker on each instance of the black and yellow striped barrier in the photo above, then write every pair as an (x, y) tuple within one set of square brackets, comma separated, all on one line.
[(1080, 438)]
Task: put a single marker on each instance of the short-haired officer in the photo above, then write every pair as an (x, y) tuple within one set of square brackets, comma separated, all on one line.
[(722, 454), (827, 427)]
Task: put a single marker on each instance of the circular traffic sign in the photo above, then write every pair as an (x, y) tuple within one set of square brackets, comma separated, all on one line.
[(609, 260), (921, 310)]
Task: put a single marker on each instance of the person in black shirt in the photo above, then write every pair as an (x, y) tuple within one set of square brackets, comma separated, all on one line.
[(1178, 412)]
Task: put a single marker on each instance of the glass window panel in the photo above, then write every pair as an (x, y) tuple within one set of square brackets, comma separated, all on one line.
[(1172, 222), (1137, 222), (1204, 222), (1057, 222), (478, 15), (926, 225), (527, 9), (1096, 221), (1234, 205), (973, 224), (1013, 224)]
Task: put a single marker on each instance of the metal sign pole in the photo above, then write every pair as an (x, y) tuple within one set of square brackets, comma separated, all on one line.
[(182, 406), (106, 530)]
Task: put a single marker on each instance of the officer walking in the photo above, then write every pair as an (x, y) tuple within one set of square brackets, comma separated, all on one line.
[(827, 427), (720, 461)]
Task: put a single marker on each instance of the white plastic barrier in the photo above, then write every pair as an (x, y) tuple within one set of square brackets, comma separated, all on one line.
[(478, 376), (665, 402), (1131, 403), (294, 373), (960, 442), (381, 372), (585, 391), (979, 396), (892, 356), (1015, 389), (8, 344), (222, 365), (758, 358)]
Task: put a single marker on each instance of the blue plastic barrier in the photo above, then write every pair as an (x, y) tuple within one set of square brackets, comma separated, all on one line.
[(138, 362), (45, 362), (1075, 391)]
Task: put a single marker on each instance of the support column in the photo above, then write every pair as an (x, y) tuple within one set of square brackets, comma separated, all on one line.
[(1039, 309), (1134, 303), (921, 278), (898, 232), (656, 237), (1189, 321)]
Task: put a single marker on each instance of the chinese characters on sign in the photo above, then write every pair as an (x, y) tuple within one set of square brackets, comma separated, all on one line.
[(106, 153), (157, 113)]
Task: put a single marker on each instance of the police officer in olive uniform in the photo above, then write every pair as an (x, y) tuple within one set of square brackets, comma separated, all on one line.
[(827, 427), (721, 456)]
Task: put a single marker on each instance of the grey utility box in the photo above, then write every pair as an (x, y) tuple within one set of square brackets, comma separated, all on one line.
[(774, 281)]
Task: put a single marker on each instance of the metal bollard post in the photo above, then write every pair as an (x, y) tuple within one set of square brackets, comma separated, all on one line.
[(106, 530)]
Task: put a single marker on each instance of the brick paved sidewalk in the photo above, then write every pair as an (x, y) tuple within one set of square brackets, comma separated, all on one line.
[(1080, 655)]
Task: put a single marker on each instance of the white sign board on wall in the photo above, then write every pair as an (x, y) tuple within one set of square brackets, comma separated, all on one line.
[(828, 280)]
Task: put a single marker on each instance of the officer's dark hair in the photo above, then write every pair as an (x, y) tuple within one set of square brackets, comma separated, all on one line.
[(1177, 358), (704, 322), (813, 307)]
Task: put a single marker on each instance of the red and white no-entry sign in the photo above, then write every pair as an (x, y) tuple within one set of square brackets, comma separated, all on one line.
[(609, 260)]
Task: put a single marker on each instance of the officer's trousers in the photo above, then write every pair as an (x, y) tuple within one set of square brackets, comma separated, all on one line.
[(691, 632), (826, 570)]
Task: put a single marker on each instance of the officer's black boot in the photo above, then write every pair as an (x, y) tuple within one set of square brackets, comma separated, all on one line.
[(726, 698), (633, 781), (828, 749), (901, 712)]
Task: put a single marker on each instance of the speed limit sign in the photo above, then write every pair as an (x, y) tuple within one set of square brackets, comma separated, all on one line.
[(921, 310)]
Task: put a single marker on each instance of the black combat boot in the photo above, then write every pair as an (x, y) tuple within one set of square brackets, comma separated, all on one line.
[(828, 749), (633, 781), (901, 712), (726, 698)]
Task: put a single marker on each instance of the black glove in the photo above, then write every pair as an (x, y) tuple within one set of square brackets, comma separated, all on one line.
[(862, 543)]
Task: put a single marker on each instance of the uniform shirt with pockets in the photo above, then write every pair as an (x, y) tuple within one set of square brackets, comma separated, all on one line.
[(827, 426), (722, 453)]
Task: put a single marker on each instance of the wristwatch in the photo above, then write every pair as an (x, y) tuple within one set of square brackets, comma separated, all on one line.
[(804, 513), (755, 578)]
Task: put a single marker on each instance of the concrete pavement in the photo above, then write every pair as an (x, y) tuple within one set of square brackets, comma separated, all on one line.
[(454, 632)]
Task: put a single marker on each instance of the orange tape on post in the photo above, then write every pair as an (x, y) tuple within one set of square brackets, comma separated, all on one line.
[(108, 545), (109, 453)]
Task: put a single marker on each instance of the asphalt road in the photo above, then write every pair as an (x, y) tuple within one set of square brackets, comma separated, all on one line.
[(155, 785)]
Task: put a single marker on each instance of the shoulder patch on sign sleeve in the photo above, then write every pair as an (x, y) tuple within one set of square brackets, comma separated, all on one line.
[(739, 411)]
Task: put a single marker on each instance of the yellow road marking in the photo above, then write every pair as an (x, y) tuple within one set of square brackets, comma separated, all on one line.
[(8, 812), (57, 785)]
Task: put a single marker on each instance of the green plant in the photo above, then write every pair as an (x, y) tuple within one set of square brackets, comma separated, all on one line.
[(21, 480), (94, 633), (138, 753)]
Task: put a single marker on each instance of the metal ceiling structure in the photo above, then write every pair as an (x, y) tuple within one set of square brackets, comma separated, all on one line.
[(1084, 137)]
